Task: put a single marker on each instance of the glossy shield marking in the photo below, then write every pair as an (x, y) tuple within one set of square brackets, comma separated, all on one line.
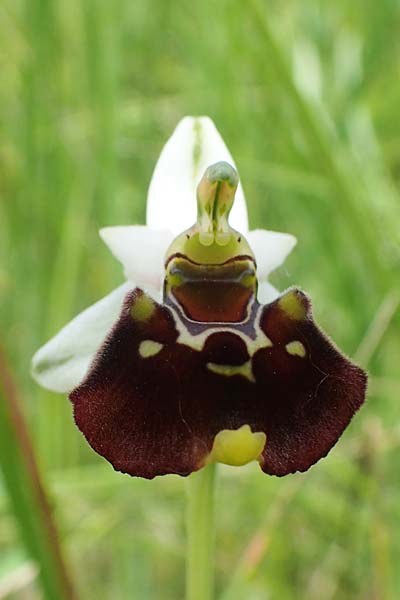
[(212, 293)]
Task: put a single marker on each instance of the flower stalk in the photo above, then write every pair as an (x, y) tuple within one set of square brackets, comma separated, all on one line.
[(200, 525)]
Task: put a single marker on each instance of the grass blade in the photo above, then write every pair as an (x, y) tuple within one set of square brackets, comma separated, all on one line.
[(378, 327), (27, 493), (323, 148)]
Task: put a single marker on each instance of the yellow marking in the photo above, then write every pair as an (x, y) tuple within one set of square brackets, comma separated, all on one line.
[(249, 280), (237, 447), (142, 308), (149, 348), (229, 370), (173, 279), (197, 342), (296, 348), (293, 306)]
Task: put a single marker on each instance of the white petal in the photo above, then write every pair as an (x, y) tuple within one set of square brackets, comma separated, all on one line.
[(270, 249), (61, 364), (171, 202), (141, 251), (267, 293)]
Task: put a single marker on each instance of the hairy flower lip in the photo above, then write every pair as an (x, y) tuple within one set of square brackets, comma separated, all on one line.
[(288, 397)]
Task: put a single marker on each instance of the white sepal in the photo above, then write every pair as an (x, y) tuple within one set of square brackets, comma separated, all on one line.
[(270, 249), (141, 251), (62, 363), (267, 293)]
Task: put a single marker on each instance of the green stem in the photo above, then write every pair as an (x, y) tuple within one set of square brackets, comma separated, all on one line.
[(201, 536)]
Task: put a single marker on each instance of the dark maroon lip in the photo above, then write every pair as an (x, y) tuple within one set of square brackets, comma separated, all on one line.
[(211, 265), (159, 413)]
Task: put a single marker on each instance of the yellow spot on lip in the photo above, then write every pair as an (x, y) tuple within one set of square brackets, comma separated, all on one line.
[(293, 305), (295, 348), (142, 308), (149, 348), (229, 370), (237, 447)]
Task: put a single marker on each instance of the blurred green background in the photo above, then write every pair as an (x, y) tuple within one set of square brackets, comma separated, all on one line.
[(307, 96)]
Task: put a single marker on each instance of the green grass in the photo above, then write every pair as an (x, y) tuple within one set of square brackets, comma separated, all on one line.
[(307, 96)]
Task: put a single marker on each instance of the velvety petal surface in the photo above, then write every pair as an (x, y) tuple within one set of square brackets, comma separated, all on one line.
[(162, 388), (171, 202), (62, 363), (141, 251), (271, 249), (314, 390)]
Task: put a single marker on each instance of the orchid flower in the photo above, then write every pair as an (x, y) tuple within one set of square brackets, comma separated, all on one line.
[(196, 358)]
